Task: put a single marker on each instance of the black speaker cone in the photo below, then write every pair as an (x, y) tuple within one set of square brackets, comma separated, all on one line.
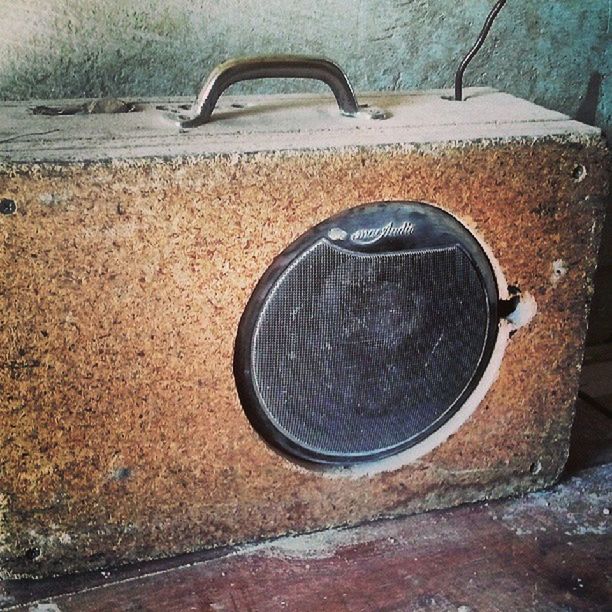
[(367, 333)]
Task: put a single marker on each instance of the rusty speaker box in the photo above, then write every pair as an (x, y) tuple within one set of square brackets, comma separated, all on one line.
[(285, 319)]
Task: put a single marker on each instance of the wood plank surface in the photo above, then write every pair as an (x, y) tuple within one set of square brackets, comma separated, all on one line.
[(547, 551)]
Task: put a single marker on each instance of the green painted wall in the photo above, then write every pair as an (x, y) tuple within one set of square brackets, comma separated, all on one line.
[(555, 53)]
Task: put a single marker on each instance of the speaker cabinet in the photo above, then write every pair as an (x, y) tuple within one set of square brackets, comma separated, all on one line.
[(284, 320)]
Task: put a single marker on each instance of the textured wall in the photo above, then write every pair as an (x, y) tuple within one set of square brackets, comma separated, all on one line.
[(555, 53), (547, 52)]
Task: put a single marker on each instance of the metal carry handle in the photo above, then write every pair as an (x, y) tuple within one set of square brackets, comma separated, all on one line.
[(273, 67)]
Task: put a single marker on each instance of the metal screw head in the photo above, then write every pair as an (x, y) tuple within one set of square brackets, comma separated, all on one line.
[(579, 173), (7, 207)]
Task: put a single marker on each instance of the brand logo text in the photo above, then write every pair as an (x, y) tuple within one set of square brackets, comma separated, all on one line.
[(372, 235)]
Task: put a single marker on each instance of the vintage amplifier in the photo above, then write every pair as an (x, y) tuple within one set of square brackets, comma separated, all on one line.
[(280, 316)]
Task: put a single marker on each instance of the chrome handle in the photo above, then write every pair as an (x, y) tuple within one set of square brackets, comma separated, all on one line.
[(273, 67)]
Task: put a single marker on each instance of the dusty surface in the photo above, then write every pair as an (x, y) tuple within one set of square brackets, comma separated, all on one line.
[(547, 551), (123, 437), (555, 54), (257, 124), (552, 54)]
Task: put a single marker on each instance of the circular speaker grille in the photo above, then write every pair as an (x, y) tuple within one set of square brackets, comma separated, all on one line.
[(367, 334)]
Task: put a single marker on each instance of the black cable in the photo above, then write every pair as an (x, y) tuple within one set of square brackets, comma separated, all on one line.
[(474, 50)]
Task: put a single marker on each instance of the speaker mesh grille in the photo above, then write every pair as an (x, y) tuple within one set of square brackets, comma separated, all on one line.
[(354, 354)]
